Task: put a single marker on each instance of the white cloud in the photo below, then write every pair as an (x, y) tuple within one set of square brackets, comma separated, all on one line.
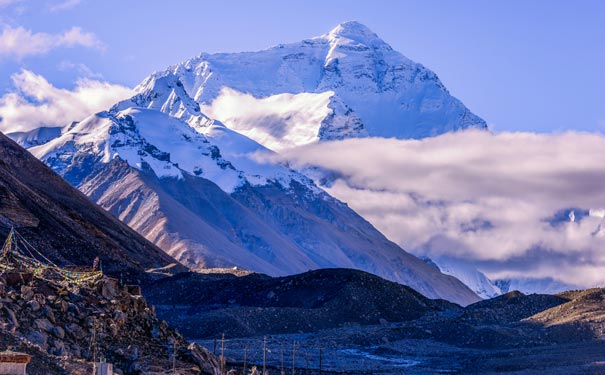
[(37, 103), (478, 196), (19, 42), (67, 4)]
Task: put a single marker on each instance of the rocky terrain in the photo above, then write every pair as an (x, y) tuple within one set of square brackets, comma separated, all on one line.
[(57, 218), (207, 305), (366, 325), (55, 320), (66, 327)]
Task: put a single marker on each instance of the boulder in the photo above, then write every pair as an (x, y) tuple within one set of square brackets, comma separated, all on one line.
[(58, 332), (43, 324), (39, 338), (33, 305)]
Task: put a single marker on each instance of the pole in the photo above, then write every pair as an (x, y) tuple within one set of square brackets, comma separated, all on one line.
[(265, 355), (223, 354), (214, 351), (174, 357), (307, 355), (283, 372), (320, 359), (245, 357), (294, 358), (94, 345)]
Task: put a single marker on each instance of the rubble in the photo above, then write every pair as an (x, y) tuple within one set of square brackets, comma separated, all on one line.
[(104, 319)]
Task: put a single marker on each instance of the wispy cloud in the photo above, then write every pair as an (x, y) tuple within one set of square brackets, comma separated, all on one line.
[(5, 3), (64, 5), (36, 102), (18, 42), (81, 69), (478, 197)]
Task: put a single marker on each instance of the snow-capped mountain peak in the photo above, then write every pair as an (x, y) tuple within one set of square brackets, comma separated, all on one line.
[(284, 96), (353, 32)]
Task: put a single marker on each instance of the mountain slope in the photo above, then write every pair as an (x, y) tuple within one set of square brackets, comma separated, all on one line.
[(198, 192), (63, 222), (346, 83)]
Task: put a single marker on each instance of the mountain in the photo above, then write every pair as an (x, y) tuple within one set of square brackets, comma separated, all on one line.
[(61, 221), (250, 305), (193, 187), (346, 83), (469, 275), (533, 285)]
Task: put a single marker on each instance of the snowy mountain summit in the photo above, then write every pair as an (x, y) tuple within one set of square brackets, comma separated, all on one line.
[(346, 83)]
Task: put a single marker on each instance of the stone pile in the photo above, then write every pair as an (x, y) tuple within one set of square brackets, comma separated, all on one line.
[(102, 320)]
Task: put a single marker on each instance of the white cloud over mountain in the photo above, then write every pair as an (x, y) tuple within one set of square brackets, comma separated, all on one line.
[(19, 42), (491, 199), (36, 102)]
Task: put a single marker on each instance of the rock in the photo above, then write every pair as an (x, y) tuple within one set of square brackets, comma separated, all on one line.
[(27, 292), (48, 312), (109, 288), (120, 317), (58, 348), (12, 317), (135, 290), (206, 361), (75, 331), (38, 338), (62, 305), (58, 332), (33, 305), (43, 324)]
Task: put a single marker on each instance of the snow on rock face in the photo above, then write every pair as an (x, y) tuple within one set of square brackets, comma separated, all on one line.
[(530, 285), (35, 137), (150, 139), (473, 278), (354, 82)]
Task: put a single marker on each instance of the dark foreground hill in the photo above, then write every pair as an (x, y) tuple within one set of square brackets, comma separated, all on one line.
[(59, 220), (366, 325), (206, 305)]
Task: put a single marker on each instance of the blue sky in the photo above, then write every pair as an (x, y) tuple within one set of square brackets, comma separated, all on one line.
[(521, 65)]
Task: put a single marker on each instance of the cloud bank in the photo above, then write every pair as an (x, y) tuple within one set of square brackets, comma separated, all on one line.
[(35, 102), (501, 202), (18, 42)]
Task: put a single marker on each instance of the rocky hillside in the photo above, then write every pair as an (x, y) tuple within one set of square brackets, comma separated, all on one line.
[(583, 310), (56, 323), (58, 219), (206, 305)]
